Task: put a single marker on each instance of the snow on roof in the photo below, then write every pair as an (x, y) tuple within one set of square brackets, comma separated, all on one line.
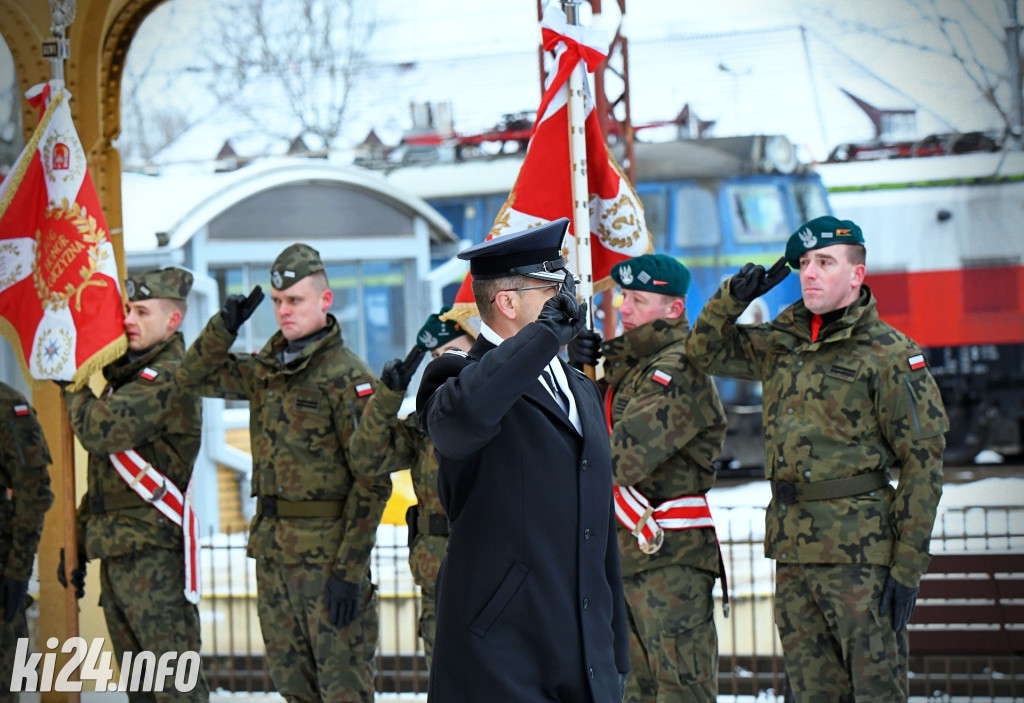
[(180, 201)]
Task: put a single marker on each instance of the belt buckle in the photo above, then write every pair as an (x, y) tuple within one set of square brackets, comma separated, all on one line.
[(654, 545), (785, 491), (268, 505)]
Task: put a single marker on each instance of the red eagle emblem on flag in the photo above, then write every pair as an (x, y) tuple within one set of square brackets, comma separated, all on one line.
[(60, 303)]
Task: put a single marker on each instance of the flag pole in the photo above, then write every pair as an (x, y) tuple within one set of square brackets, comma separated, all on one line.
[(580, 188), (57, 49)]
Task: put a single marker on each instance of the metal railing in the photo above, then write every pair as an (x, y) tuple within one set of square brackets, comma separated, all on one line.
[(750, 656)]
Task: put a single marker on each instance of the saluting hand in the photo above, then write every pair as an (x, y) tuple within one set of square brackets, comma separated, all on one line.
[(239, 308), (397, 373), (753, 281), (563, 315)]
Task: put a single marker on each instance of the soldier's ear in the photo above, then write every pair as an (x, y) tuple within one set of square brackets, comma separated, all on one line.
[(505, 304), (326, 299)]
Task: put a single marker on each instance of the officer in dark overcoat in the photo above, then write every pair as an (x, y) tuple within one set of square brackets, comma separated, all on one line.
[(529, 604)]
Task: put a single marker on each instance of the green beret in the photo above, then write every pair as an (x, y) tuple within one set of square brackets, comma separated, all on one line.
[(821, 232), (293, 264), (173, 283), (436, 332), (655, 273)]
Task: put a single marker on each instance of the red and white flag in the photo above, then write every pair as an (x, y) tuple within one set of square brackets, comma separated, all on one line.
[(543, 190), (60, 302)]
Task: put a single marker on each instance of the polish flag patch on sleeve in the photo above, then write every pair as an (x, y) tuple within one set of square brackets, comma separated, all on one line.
[(661, 377), (148, 374), (917, 362), (364, 389), (21, 410)]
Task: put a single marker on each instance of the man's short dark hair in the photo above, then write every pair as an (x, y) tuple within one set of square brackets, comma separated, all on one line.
[(856, 254), (485, 291)]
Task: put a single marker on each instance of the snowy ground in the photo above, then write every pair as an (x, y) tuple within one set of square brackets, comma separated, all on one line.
[(410, 698)]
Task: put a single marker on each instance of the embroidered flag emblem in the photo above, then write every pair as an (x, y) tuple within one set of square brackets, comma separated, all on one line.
[(364, 389), (916, 362), (661, 377), (148, 374), (21, 410)]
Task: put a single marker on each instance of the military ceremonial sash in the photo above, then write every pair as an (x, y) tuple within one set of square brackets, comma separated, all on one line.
[(647, 523), (160, 492)]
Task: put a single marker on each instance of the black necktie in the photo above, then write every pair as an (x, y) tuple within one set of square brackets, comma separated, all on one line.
[(560, 397)]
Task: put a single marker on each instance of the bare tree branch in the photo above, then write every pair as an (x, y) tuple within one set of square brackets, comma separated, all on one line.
[(990, 76), (289, 66)]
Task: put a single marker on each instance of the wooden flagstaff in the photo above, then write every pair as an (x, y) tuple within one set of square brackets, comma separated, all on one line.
[(580, 188), (57, 50)]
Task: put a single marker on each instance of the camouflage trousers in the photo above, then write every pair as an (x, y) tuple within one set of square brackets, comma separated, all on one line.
[(146, 610), (673, 642), (425, 557), (310, 659), (10, 633), (837, 646)]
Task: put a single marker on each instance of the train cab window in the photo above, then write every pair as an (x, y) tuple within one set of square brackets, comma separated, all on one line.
[(810, 200), (757, 212), (696, 218)]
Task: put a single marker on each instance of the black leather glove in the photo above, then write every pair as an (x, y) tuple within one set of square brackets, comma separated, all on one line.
[(77, 574), (565, 316), (12, 596), (753, 281), (900, 600), (398, 372), (585, 349), (238, 308), (342, 600)]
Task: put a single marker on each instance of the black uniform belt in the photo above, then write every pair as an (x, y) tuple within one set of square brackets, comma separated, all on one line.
[(432, 524), (100, 503), (272, 506), (798, 492)]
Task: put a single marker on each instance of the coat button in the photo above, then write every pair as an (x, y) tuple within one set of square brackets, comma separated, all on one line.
[(586, 603), (591, 672), (586, 533), (583, 464)]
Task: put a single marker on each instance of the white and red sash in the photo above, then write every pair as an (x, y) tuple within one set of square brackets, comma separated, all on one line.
[(160, 492), (647, 523)]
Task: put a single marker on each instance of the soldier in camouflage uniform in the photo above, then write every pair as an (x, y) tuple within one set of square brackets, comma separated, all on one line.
[(845, 398), (409, 446), (25, 496), (141, 551), (316, 518), (667, 426)]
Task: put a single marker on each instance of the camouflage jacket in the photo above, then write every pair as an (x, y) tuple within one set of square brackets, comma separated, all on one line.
[(25, 493), (385, 443), (141, 408), (664, 436), (847, 404), (301, 418)]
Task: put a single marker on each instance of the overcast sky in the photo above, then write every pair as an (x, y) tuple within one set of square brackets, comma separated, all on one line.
[(733, 61)]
